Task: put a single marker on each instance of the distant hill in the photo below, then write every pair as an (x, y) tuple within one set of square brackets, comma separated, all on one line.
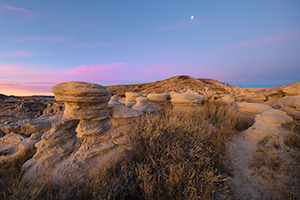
[(174, 84)]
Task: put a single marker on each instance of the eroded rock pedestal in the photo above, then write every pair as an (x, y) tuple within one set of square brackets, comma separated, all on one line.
[(83, 142)]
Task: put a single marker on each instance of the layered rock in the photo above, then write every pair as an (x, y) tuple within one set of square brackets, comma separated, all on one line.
[(142, 105), (292, 90), (252, 108), (84, 137), (290, 104), (13, 145), (131, 97), (159, 100), (186, 100), (268, 123), (228, 98), (121, 115)]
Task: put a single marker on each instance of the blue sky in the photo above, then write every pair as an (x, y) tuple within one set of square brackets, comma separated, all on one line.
[(244, 43)]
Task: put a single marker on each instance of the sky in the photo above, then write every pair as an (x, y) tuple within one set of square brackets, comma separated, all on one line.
[(249, 43)]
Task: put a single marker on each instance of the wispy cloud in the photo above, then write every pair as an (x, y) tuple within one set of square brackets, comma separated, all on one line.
[(27, 14), (21, 80), (262, 40), (19, 54), (91, 44), (183, 24), (54, 39)]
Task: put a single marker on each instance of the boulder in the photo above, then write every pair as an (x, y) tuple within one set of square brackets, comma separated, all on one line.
[(252, 108)]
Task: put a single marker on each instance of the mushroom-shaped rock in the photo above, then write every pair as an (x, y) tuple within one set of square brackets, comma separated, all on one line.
[(131, 97), (142, 105), (157, 101), (82, 100), (121, 114), (186, 100), (252, 108)]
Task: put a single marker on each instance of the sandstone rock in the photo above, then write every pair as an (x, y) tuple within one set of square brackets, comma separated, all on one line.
[(121, 114), (82, 100), (142, 105), (228, 98), (13, 145), (186, 100), (83, 139), (27, 126), (252, 98), (158, 101), (267, 123), (252, 108), (293, 89), (131, 97), (290, 104)]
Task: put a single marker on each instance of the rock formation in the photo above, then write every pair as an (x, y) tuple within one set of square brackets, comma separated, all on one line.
[(121, 115), (83, 139), (252, 108), (13, 145), (142, 105), (228, 98), (159, 100), (131, 97), (293, 89), (267, 123), (186, 100)]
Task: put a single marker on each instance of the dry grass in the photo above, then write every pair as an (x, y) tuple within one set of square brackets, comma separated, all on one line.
[(175, 155)]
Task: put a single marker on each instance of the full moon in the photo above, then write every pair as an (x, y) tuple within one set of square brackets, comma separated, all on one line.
[(192, 17)]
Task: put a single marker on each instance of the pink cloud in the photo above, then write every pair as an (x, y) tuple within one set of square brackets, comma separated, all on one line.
[(54, 39), (26, 13), (19, 80), (20, 54), (93, 44), (266, 40), (183, 24)]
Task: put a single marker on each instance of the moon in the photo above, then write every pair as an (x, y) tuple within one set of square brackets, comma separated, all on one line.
[(192, 17)]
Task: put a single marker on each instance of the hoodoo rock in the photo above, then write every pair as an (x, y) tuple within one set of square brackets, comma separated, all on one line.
[(121, 115), (142, 105), (131, 97), (158, 101), (186, 100), (252, 108), (83, 138)]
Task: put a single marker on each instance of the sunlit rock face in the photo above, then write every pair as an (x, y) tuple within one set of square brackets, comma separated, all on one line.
[(186, 100), (142, 105), (228, 98), (252, 108), (121, 115), (159, 100), (268, 123), (292, 89), (290, 104), (83, 138), (131, 97)]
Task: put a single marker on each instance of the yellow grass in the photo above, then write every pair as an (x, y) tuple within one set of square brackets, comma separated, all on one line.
[(175, 155)]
